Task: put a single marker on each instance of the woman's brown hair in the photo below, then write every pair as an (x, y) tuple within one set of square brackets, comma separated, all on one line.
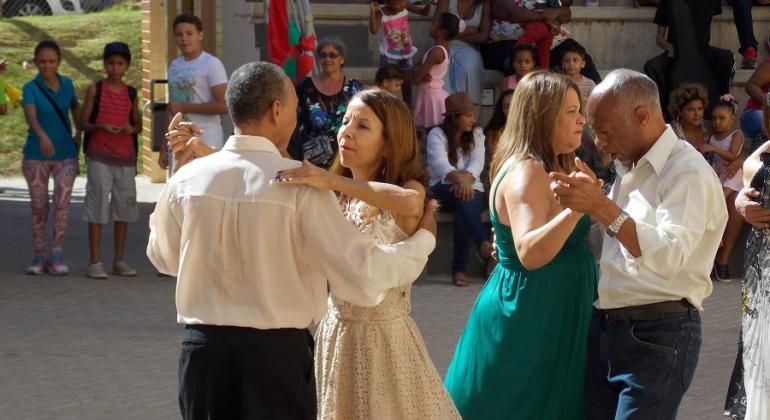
[(401, 162), (530, 129)]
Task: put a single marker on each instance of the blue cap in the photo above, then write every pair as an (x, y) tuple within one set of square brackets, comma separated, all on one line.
[(117, 48)]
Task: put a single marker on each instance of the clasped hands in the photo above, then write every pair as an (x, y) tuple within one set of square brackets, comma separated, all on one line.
[(580, 190)]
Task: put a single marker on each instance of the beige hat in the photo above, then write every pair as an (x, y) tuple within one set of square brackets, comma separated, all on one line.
[(459, 103)]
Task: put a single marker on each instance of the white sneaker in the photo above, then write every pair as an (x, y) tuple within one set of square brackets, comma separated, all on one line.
[(122, 269), (96, 271)]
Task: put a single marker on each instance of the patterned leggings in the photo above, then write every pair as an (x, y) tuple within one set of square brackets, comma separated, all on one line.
[(37, 173)]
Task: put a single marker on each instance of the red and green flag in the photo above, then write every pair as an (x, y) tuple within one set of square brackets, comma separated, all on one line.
[(288, 45)]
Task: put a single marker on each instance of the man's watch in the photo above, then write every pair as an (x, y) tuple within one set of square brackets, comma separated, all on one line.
[(614, 227)]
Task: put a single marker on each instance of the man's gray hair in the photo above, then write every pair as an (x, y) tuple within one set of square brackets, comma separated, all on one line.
[(252, 89), (633, 89)]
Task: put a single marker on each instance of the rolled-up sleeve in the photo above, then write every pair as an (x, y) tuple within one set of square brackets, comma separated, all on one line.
[(165, 234), (669, 233), (358, 270), (438, 160)]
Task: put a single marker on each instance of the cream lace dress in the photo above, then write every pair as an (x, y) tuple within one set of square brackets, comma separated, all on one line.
[(371, 362)]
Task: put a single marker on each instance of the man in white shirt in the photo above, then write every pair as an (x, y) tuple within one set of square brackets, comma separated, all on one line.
[(253, 262), (663, 223)]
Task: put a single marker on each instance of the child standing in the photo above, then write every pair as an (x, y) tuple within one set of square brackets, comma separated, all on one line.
[(429, 105), (196, 84), (396, 46), (111, 121), (523, 60), (573, 62), (725, 145), (390, 78)]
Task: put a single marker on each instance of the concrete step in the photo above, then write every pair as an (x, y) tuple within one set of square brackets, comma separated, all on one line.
[(615, 34)]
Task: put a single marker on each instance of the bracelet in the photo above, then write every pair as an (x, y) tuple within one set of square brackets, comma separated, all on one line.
[(614, 227)]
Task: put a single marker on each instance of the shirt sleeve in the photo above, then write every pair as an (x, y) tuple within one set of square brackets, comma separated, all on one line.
[(669, 233), (358, 270), (28, 94), (216, 73), (438, 160), (476, 159), (165, 234)]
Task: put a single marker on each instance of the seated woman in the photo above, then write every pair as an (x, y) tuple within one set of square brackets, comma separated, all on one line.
[(455, 160), (323, 99), (687, 106), (506, 28)]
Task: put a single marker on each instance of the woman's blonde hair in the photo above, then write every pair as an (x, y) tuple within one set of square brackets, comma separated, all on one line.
[(530, 129), (401, 162)]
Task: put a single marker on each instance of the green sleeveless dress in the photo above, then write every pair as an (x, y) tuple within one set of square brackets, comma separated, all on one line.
[(522, 354)]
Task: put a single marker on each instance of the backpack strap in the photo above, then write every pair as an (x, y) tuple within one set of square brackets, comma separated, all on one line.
[(132, 94), (92, 117)]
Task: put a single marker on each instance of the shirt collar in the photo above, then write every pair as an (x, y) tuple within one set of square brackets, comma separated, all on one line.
[(658, 154), (253, 143), (42, 83)]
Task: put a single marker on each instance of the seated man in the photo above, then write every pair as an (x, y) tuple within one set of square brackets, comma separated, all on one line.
[(675, 30)]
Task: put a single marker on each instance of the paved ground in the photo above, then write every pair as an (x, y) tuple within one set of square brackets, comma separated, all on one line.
[(76, 348)]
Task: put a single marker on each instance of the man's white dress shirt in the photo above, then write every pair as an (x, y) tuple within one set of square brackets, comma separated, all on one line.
[(676, 201), (249, 252)]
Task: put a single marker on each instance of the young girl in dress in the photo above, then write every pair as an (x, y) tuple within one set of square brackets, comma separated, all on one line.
[(429, 105), (523, 61), (396, 46), (371, 362), (725, 145)]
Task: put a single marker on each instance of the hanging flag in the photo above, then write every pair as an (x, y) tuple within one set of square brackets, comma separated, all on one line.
[(278, 46), (291, 41)]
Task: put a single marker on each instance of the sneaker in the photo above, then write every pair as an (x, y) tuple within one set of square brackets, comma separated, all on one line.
[(56, 264), (96, 271), (122, 269), (38, 265), (722, 273), (749, 58)]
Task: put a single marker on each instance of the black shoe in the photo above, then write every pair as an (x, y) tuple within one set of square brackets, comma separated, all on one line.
[(722, 273)]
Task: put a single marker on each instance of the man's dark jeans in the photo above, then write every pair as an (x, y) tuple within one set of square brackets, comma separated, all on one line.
[(236, 373), (640, 370)]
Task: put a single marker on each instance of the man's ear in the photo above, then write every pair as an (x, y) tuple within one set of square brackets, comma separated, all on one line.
[(275, 111), (642, 115)]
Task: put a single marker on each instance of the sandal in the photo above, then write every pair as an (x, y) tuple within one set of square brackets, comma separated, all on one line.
[(459, 279)]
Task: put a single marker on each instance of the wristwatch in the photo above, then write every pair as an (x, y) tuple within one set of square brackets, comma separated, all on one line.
[(614, 227)]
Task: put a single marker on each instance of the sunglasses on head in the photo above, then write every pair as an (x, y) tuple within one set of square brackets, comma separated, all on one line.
[(328, 55)]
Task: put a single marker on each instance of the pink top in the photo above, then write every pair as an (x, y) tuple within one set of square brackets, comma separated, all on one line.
[(510, 82), (438, 71)]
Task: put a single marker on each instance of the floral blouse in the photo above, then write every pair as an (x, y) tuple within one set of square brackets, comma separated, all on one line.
[(318, 119)]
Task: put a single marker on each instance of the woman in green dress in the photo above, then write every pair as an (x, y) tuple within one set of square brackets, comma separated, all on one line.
[(523, 352)]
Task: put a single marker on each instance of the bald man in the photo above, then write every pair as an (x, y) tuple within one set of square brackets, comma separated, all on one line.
[(662, 225)]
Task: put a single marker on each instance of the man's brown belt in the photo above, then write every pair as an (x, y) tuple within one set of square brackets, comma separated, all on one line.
[(649, 312)]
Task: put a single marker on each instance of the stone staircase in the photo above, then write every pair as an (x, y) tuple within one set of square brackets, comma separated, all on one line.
[(615, 34)]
